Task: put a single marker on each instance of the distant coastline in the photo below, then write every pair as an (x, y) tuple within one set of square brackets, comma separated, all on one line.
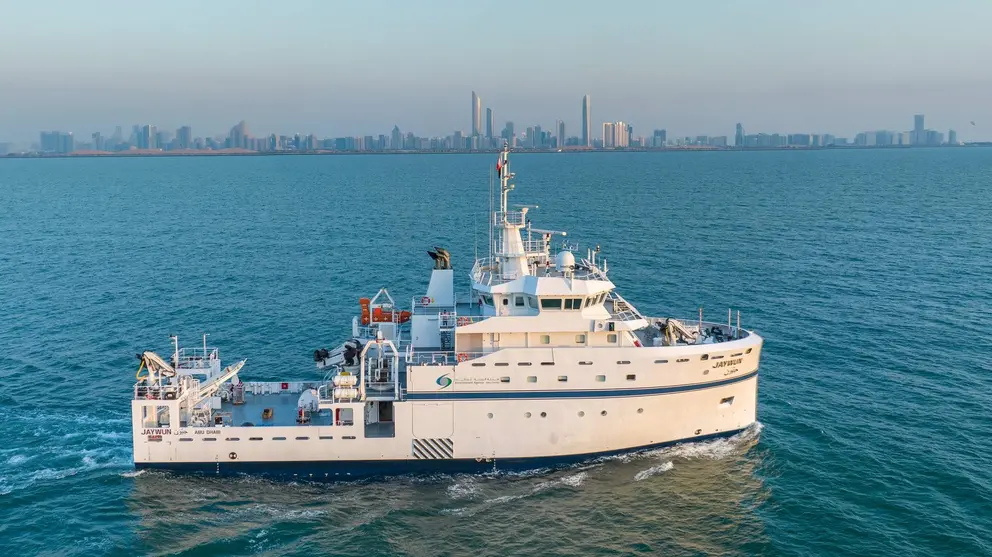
[(248, 153)]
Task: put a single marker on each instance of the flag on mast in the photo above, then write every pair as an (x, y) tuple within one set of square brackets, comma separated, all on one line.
[(499, 167)]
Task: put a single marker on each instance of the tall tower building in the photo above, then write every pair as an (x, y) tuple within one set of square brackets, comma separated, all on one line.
[(586, 122), (739, 136), (490, 123), (476, 114), (609, 136), (919, 132), (560, 131)]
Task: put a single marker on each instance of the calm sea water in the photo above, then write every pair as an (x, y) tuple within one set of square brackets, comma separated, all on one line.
[(868, 273)]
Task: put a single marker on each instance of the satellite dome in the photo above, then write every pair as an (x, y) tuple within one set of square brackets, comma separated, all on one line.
[(565, 261)]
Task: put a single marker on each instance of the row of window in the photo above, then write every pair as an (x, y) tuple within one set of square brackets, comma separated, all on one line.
[(570, 304), (579, 414), (301, 438), (545, 339)]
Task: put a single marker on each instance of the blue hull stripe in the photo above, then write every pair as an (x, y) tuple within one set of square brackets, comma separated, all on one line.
[(354, 469), (590, 393)]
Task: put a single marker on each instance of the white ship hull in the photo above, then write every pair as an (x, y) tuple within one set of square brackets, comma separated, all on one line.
[(479, 423)]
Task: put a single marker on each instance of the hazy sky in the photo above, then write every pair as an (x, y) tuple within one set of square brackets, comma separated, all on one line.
[(346, 68)]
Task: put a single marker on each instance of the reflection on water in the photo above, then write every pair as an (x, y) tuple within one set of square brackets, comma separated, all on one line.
[(693, 498)]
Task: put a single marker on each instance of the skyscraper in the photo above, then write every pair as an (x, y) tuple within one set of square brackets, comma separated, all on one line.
[(919, 133), (490, 123), (739, 136), (609, 137), (586, 122), (396, 140), (560, 130), (184, 137), (952, 137), (476, 114)]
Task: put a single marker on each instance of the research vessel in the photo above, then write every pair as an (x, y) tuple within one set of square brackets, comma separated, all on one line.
[(539, 362)]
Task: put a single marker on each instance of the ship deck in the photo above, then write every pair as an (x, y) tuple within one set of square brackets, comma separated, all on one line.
[(284, 411)]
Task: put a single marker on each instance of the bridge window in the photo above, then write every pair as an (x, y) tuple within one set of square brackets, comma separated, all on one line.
[(506, 301), (611, 338), (518, 301), (580, 339), (573, 303), (532, 302), (545, 339), (550, 303)]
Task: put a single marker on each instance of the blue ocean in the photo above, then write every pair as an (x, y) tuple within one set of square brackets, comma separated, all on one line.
[(868, 272)]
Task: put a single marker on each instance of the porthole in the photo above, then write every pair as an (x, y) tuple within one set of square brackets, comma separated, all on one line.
[(523, 363), (501, 364), (526, 414), (661, 361), (232, 439), (748, 351), (603, 413), (601, 378), (254, 438), (623, 362), (532, 379), (547, 363), (611, 338), (302, 438), (585, 363), (478, 365), (209, 438), (580, 339), (544, 414), (504, 379), (545, 339), (278, 438), (706, 372), (737, 354), (563, 378), (327, 437), (490, 415), (682, 360), (631, 377), (640, 410), (704, 357), (581, 413)]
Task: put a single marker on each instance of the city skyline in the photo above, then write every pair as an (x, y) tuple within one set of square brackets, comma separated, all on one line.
[(615, 135), (350, 69)]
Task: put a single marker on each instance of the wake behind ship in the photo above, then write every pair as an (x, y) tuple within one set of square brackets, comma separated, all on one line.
[(541, 362)]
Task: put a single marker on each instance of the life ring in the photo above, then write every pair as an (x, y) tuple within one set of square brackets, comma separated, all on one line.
[(462, 357), (232, 455), (464, 321)]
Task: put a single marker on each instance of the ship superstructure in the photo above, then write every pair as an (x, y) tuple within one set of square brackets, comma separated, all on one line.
[(541, 361)]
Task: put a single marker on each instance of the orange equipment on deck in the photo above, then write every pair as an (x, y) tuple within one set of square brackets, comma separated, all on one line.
[(364, 302), (379, 315)]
